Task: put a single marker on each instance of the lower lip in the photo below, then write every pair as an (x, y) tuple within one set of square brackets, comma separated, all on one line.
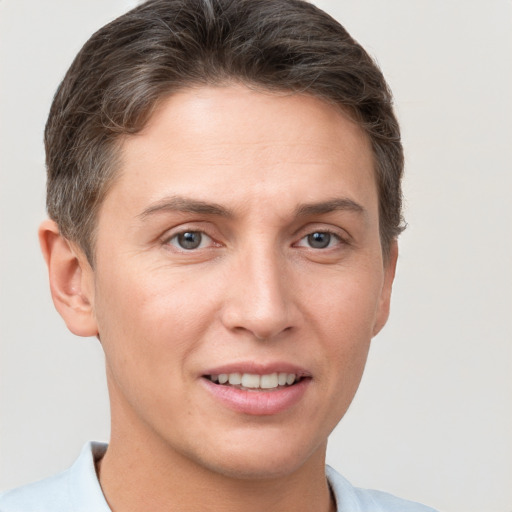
[(260, 402)]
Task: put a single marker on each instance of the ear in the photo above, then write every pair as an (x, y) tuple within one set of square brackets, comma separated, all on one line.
[(71, 280), (385, 296)]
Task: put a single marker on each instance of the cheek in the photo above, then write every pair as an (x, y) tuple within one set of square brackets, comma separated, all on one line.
[(149, 303), (347, 305), (148, 329), (346, 311), (148, 323)]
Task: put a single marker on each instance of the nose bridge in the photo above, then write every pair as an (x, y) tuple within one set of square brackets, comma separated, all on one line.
[(259, 300)]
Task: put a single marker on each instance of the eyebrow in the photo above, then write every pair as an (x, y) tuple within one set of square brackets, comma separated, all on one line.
[(187, 205), (332, 205)]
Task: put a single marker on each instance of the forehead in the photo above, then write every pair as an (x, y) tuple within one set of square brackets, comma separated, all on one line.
[(243, 145)]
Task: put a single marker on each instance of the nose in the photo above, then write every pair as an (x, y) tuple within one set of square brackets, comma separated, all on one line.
[(259, 296)]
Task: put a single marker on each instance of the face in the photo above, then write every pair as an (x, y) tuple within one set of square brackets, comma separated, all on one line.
[(239, 278)]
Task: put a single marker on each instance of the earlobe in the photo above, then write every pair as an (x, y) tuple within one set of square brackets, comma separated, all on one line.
[(385, 297), (71, 280)]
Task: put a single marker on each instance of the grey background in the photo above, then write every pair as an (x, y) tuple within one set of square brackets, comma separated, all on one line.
[(433, 418)]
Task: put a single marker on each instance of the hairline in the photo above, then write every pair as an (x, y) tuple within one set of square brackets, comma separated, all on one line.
[(115, 163)]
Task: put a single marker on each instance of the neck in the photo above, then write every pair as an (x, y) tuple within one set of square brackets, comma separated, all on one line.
[(140, 472), (130, 484)]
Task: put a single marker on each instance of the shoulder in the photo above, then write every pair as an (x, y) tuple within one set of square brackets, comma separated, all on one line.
[(50, 494), (74, 490), (354, 499)]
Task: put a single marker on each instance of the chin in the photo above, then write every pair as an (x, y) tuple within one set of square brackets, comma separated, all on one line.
[(260, 460), (250, 469)]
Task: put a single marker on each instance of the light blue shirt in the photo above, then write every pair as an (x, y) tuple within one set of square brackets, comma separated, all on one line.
[(78, 490)]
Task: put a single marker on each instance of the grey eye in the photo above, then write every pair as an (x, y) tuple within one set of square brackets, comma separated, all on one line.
[(319, 240), (189, 240)]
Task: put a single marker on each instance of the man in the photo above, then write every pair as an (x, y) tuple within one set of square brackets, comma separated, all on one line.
[(224, 195)]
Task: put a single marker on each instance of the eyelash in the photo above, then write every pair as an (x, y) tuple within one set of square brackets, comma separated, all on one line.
[(175, 237), (203, 235), (340, 240)]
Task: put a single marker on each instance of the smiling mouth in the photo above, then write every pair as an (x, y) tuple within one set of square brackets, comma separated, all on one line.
[(253, 382)]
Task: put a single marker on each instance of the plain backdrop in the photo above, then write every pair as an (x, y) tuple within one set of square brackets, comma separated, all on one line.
[(432, 420)]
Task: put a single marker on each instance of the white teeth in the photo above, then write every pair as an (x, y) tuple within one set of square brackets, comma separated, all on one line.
[(250, 380), (235, 379), (269, 381), (290, 379), (254, 381)]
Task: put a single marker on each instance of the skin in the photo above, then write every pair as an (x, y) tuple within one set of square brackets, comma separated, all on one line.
[(280, 167)]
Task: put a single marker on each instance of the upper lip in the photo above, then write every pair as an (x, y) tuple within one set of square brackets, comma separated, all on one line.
[(258, 368)]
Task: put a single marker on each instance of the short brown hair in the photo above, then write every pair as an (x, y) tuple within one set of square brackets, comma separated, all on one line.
[(163, 46)]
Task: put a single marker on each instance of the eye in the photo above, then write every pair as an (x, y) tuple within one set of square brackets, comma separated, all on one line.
[(190, 240), (319, 240)]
